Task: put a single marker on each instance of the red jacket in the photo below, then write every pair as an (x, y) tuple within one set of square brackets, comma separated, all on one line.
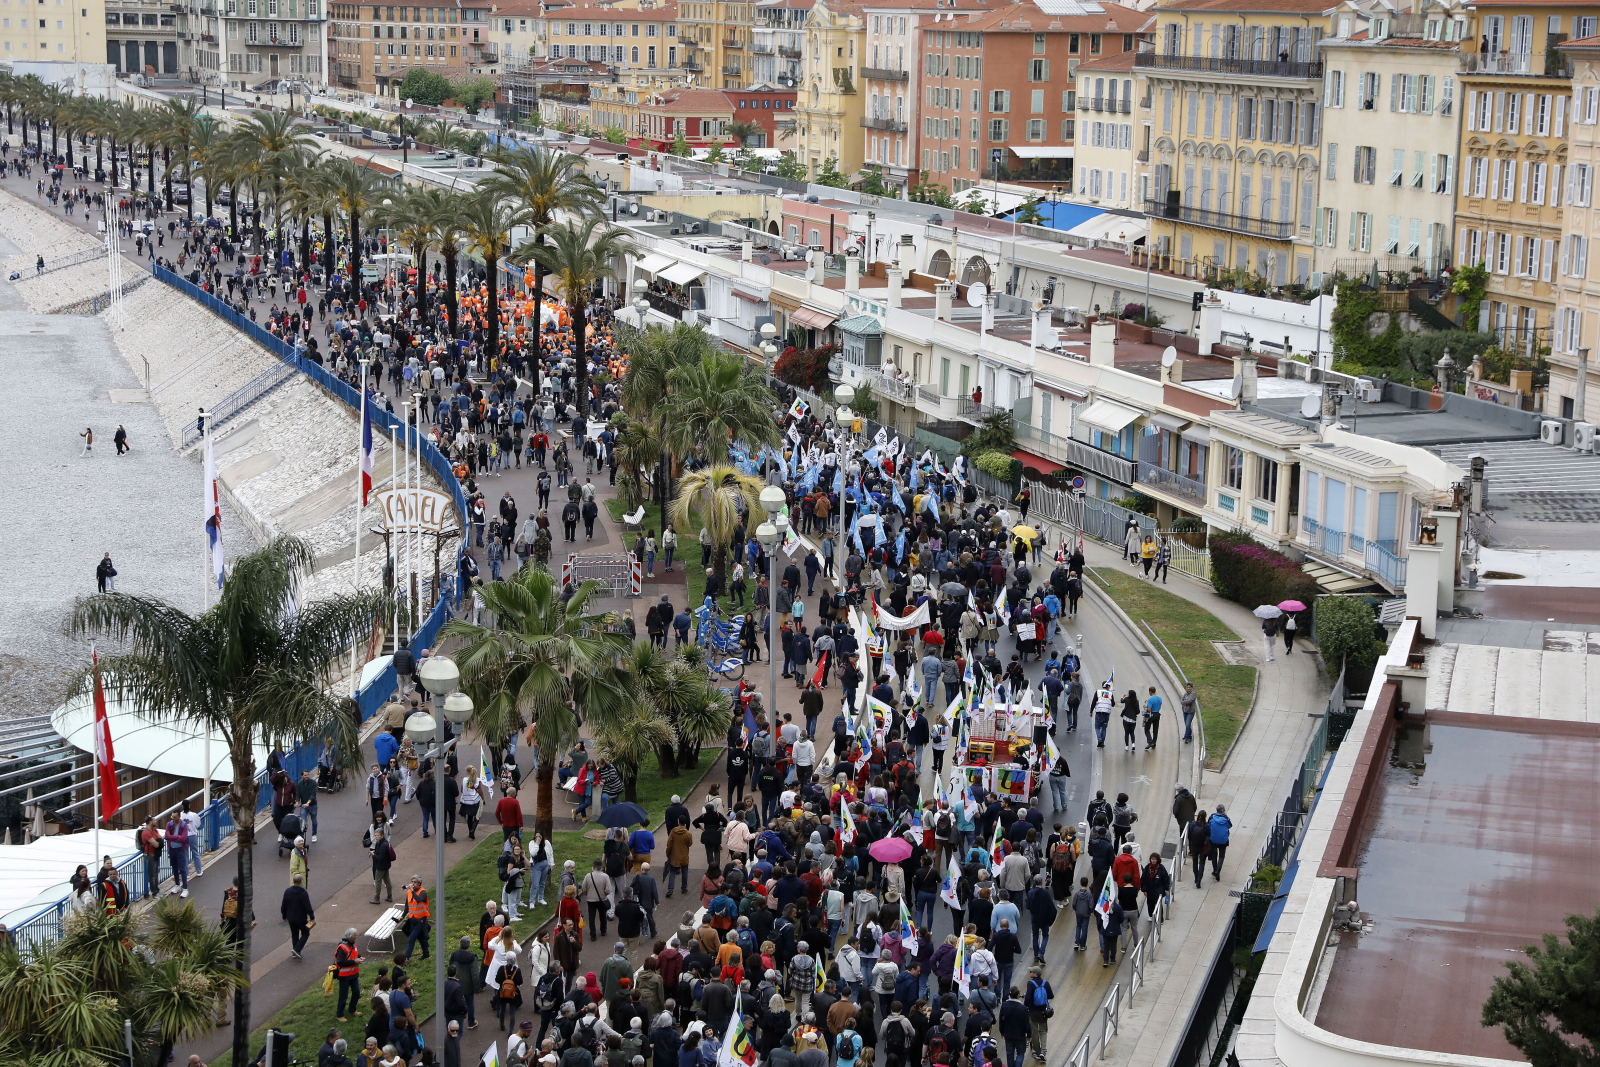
[(508, 813), (1124, 870)]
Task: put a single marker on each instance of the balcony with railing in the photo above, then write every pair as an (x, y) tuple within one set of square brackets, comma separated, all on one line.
[(969, 410), (1220, 220), (883, 74), (1261, 68), (1323, 541), (1171, 483), (1120, 106), (666, 305), (1384, 565), (732, 43), (892, 388), (693, 65), (1549, 64), (758, 49), (1043, 442), (732, 71), (788, 53), (892, 125), (1082, 454), (938, 407)]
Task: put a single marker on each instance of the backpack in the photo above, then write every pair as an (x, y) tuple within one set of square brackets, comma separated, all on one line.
[(943, 824), (508, 985), (848, 1045), (542, 997), (230, 907), (1063, 857), (894, 1040), (938, 1050), (869, 943)]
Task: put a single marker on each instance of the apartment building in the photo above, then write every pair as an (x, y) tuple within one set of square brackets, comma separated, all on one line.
[(773, 53), (1577, 316), (375, 46), (1516, 92), (830, 103), (766, 106), (68, 38), (891, 78), (143, 36), (1390, 122), (1112, 154), (998, 97), (1236, 89), (715, 36), (267, 39)]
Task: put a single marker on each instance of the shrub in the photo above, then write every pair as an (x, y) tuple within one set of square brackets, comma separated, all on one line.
[(806, 367), (1347, 634), (1188, 524), (1248, 572), (997, 465)]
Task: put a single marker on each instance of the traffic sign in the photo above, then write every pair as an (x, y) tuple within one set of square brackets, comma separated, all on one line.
[(1077, 482)]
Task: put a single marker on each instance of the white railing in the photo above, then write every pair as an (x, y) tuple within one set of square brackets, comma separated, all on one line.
[(1106, 1023)]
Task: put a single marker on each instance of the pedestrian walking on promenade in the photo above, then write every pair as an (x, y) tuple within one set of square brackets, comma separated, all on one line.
[(105, 575), (88, 442)]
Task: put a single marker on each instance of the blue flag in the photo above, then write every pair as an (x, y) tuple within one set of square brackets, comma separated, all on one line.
[(897, 500)]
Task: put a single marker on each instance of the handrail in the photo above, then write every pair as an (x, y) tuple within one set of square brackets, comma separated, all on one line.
[(1107, 1019)]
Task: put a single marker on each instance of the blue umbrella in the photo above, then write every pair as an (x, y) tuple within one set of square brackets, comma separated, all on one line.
[(623, 814)]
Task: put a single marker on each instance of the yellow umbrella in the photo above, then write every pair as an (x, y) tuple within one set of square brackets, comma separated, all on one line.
[(1027, 533)]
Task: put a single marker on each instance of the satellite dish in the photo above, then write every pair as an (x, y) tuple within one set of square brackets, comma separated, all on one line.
[(1310, 406), (1170, 356), (977, 293), (634, 209), (1235, 387)]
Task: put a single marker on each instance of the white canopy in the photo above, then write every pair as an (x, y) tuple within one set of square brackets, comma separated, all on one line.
[(1042, 151), (655, 263), (1108, 415), (682, 273)]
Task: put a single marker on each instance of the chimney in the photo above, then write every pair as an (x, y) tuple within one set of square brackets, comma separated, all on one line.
[(1244, 372), (852, 274), (988, 315), (747, 250), (1039, 332), (941, 300), (896, 279), (816, 266), (1103, 343), (1175, 372)]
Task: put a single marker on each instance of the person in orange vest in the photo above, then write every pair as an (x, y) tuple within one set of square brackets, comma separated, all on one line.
[(347, 969), (417, 918)]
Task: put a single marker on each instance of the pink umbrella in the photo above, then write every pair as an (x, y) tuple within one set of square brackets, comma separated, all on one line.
[(1292, 605), (890, 849)]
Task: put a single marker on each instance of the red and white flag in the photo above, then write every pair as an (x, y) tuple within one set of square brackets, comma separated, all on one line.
[(104, 758)]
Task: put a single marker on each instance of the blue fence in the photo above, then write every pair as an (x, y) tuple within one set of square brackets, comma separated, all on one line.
[(217, 820)]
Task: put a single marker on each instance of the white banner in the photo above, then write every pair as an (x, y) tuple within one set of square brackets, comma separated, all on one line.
[(921, 617)]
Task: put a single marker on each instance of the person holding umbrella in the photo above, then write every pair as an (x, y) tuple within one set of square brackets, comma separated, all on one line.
[(1269, 615), (1289, 608)]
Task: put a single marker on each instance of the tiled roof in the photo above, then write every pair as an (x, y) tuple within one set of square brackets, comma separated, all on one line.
[(1028, 18), (1267, 6)]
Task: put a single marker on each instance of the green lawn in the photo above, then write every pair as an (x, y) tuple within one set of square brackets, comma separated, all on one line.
[(1188, 630), (690, 543), (468, 884)]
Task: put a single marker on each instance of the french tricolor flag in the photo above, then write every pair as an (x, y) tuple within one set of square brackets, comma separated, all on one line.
[(366, 451)]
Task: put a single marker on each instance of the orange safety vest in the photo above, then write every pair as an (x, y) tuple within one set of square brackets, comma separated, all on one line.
[(415, 908)]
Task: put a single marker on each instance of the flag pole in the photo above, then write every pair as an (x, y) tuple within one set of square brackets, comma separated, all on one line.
[(95, 755), (208, 577), (361, 431)]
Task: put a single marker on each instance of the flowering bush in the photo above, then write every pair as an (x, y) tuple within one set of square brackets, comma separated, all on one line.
[(806, 367), (1252, 574)]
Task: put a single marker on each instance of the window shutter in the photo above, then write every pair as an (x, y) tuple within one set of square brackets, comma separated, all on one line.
[(1394, 92), (1547, 263), (1516, 263), (1527, 172), (1353, 224), (1566, 255), (1472, 111), (1554, 185), (1461, 241), (1490, 256), (1580, 265)]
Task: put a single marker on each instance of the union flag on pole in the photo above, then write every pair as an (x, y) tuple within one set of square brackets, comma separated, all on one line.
[(104, 758)]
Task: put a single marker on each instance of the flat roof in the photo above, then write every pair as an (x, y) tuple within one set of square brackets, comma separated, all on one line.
[(1482, 841), (1389, 421)]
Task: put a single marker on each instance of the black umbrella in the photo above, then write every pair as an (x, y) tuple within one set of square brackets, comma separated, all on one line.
[(623, 814)]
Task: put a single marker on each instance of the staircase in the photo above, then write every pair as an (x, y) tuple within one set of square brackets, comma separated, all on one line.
[(1332, 579)]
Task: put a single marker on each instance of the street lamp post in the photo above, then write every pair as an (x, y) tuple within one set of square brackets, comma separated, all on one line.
[(769, 351), (770, 534), (440, 676), (641, 305), (844, 418)]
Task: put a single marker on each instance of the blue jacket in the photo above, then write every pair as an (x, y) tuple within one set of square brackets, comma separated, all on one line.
[(905, 988), (1220, 826), (384, 746)]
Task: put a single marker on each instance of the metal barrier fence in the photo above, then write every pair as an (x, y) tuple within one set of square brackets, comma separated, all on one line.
[(216, 821), (239, 400), (1096, 1037)]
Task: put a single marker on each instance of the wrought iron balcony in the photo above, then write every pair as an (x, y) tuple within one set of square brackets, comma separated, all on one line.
[(1220, 220), (884, 74), (892, 125), (1268, 68), (1172, 483), (1121, 106)]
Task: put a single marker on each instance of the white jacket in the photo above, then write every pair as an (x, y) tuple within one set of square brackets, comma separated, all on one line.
[(849, 961)]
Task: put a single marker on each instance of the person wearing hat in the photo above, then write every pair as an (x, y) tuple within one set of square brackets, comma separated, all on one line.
[(520, 1046)]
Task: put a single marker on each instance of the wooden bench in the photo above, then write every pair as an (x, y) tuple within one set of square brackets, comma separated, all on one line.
[(384, 929)]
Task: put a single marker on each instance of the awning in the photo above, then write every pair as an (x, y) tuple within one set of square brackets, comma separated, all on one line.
[(683, 273), (655, 263), (1108, 415), (1038, 463), (1197, 432), (812, 319), (1042, 151), (1168, 422), (1280, 899), (742, 295)]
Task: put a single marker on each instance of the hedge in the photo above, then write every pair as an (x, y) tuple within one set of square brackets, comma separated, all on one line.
[(1248, 572)]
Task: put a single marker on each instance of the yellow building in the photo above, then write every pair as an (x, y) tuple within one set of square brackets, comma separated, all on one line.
[(62, 42), (829, 107), (1236, 101), (1516, 90), (716, 38), (1577, 317)]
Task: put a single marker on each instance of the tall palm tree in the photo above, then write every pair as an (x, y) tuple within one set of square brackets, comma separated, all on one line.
[(679, 691), (543, 658), (355, 189), (715, 402), (741, 132), (411, 215), (486, 221), (445, 221), (206, 150), (275, 146), (717, 495), (653, 354), (179, 118), (544, 182), (581, 256), (257, 669)]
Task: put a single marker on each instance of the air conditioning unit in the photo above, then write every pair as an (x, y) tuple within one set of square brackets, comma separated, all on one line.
[(1583, 435), (1371, 394), (1550, 432), (815, 248), (693, 227)]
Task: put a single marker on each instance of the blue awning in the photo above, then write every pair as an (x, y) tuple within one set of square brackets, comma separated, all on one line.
[(1269, 925)]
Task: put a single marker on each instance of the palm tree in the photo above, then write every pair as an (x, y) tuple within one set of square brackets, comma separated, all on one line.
[(354, 188), (412, 214), (679, 691), (628, 732), (206, 151), (652, 355), (485, 221), (257, 669), (543, 659), (180, 118), (580, 256), (446, 225), (274, 146), (715, 402), (544, 182), (717, 495), (743, 131)]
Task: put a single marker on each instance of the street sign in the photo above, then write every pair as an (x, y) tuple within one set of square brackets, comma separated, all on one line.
[(1078, 483)]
